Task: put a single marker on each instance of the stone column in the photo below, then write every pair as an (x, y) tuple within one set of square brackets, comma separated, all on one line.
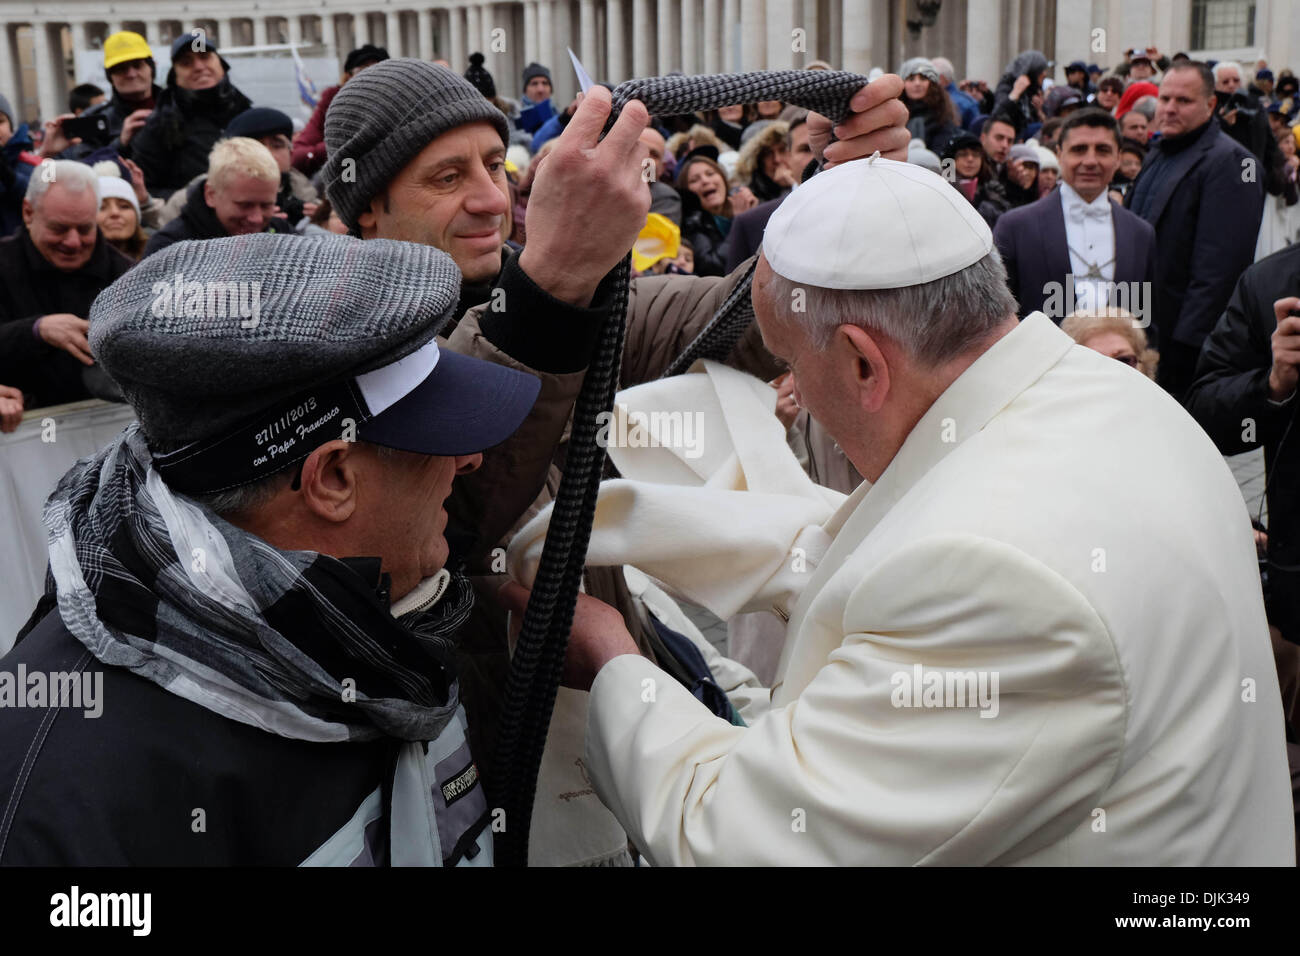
[(114, 26), (530, 31), (295, 29), (711, 58), (982, 35), (729, 31), (808, 19), (1073, 36), (665, 43), (855, 54), (329, 37), (79, 41), (563, 78), (47, 91), (546, 35), (690, 37), (424, 18), (393, 33), (9, 79), (781, 23), (615, 33), (588, 42), (753, 36), (456, 31), (473, 32), (360, 30), (259, 31), (642, 31)]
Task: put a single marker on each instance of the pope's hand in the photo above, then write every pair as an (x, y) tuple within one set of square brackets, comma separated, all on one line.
[(597, 636), (878, 122)]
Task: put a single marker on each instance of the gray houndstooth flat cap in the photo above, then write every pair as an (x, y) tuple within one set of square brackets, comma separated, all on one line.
[(250, 348)]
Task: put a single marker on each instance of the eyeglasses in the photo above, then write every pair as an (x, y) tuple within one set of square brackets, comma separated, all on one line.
[(1129, 360)]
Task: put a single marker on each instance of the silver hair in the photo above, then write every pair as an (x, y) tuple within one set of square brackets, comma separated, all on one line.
[(1146, 105), (71, 175), (944, 66), (1223, 65), (934, 321)]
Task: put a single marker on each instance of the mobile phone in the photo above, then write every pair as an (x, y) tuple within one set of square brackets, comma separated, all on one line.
[(91, 128)]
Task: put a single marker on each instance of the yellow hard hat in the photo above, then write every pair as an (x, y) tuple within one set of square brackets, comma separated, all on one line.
[(660, 239), (124, 46)]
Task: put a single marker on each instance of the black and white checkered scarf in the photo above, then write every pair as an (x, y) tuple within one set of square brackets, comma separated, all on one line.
[(293, 642)]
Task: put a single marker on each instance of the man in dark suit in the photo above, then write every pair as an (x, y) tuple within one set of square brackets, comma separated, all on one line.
[(1202, 191), (1076, 248)]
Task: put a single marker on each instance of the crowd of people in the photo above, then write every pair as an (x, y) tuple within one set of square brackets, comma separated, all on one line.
[(1123, 205)]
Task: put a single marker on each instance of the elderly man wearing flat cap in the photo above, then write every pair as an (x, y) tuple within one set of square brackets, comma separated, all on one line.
[(247, 588), (417, 153), (974, 670)]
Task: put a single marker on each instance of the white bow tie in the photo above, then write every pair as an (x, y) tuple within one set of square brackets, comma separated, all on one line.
[(1079, 211)]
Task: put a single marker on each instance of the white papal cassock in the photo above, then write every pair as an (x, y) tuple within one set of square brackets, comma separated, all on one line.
[(1055, 521)]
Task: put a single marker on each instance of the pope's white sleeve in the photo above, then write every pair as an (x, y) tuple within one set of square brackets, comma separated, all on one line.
[(860, 770)]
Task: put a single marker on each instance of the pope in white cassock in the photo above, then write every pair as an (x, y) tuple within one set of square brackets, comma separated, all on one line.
[(1036, 633)]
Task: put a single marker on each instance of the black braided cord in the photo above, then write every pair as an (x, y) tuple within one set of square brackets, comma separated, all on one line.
[(716, 340), (538, 659)]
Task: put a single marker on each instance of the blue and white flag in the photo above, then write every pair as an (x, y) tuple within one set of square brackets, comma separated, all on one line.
[(306, 88)]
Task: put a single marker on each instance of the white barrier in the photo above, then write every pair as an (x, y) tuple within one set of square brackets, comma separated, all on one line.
[(30, 466)]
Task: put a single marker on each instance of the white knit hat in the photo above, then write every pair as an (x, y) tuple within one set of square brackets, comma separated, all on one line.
[(874, 224), (118, 188)]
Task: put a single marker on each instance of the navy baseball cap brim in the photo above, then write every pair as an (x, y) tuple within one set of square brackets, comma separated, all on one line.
[(465, 405)]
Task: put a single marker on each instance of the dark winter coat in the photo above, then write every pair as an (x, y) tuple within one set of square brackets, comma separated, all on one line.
[(172, 147), (706, 237), (16, 165), (31, 287), (117, 110), (1031, 63), (1206, 211), (1229, 397)]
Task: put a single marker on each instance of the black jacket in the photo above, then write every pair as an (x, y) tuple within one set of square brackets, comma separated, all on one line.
[(706, 238), (117, 110), (198, 221), (1230, 395), (31, 287), (1253, 132), (746, 235), (1020, 111), (1206, 215), (172, 147), (123, 788)]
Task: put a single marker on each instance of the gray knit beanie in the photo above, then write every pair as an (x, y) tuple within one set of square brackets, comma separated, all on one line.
[(7, 110), (383, 117), (535, 69), (919, 64)]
